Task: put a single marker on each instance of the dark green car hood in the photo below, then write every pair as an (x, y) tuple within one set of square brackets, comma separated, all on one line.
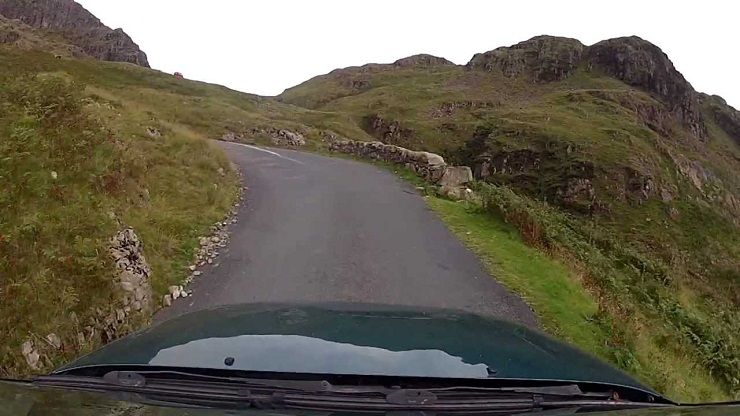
[(355, 339)]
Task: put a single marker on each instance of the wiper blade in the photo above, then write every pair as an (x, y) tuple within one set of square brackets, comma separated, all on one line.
[(201, 390)]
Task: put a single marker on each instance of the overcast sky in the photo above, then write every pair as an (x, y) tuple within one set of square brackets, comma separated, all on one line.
[(264, 47)]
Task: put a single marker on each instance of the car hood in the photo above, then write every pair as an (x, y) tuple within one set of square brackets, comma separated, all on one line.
[(355, 340)]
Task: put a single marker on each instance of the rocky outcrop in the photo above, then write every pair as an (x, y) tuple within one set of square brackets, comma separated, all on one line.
[(422, 61), (278, 137), (632, 60), (638, 187), (506, 163), (641, 64), (545, 58), (134, 272), (78, 26), (387, 131), (429, 166), (287, 138), (726, 117)]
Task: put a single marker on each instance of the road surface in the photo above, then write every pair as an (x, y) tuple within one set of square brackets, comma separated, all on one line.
[(320, 229)]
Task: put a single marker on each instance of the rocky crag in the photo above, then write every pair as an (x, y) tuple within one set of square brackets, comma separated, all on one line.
[(77, 26)]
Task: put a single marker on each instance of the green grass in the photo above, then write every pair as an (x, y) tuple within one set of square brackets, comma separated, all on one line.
[(562, 304), (559, 295), (520, 243), (71, 162)]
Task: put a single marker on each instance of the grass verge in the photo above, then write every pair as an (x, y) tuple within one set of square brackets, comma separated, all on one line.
[(530, 248), (74, 170)]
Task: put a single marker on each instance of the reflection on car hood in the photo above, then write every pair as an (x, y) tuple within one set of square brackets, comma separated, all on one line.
[(355, 339)]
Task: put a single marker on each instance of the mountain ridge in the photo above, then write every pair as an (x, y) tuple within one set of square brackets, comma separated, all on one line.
[(78, 26)]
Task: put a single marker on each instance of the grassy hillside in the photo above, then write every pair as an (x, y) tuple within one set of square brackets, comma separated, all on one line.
[(598, 174), (76, 165)]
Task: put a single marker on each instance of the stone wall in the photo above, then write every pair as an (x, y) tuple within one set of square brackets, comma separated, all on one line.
[(429, 166)]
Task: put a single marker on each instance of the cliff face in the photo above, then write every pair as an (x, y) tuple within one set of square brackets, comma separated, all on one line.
[(546, 58), (78, 26), (632, 60), (641, 64)]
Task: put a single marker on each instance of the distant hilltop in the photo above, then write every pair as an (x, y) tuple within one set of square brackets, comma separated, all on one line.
[(77, 26)]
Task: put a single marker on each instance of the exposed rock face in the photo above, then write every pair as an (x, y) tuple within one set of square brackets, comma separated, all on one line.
[(429, 166), (422, 60), (638, 187), (288, 138), (726, 117), (545, 58), (78, 26), (126, 251), (279, 137), (641, 64), (387, 131), (632, 60)]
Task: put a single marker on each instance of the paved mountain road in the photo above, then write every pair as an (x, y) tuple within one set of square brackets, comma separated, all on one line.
[(321, 229)]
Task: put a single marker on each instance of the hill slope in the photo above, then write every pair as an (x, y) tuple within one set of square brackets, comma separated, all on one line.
[(617, 164)]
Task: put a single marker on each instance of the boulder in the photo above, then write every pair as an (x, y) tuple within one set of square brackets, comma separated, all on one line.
[(455, 176), (457, 193)]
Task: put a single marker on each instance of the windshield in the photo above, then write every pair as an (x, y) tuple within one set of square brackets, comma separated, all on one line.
[(413, 196)]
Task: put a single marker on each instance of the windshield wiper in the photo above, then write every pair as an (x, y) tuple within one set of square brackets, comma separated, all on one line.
[(202, 390)]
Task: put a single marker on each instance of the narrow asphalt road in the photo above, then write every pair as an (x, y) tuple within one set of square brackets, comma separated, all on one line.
[(321, 229)]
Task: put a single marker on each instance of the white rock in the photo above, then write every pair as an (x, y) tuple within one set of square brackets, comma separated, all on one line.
[(174, 292), (192, 268), (215, 239), (54, 340), (54, 175), (30, 354), (167, 300), (197, 273), (127, 286)]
